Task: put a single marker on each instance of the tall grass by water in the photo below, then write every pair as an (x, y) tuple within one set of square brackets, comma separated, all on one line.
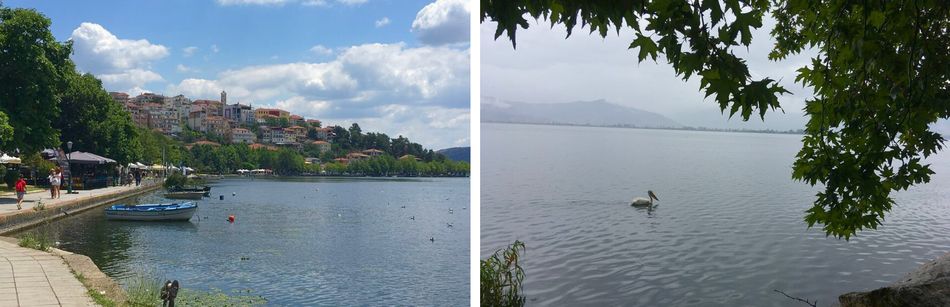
[(502, 277), (144, 290)]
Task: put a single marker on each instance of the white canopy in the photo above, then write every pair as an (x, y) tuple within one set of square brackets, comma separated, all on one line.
[(6, 159)]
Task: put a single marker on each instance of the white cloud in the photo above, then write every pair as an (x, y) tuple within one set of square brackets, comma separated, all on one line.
[(422, 93), (321, 50), (318, 3), (443, 22), (382, 22), (182, 68), (214, 48), (99, 51), (352, 2), (189, 51), (119, 63), (135, 91), (251, 2), (363, 76), (315, 3)]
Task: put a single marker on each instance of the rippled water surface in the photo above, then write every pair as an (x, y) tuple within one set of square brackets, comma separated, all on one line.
[(348, 243), (727, 230)]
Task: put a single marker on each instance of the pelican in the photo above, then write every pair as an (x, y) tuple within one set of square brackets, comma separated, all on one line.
[(640, 201)]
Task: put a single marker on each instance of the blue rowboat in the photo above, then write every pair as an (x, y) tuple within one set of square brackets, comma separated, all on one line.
[(152, 212)]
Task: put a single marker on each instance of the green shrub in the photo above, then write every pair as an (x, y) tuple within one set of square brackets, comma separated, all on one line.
[(143, 291), (175, 180), (36, 241), (10, 177), (502, 277)]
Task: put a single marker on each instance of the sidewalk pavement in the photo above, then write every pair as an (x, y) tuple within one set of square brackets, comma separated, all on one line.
[(8, 202), (29, 277)]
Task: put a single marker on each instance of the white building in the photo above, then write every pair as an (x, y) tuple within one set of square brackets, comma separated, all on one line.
[(241, 135)]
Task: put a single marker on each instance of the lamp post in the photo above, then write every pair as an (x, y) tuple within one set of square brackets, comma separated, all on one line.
[(69, 148)]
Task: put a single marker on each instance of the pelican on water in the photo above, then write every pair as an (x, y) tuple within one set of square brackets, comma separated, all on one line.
[(640, 201)]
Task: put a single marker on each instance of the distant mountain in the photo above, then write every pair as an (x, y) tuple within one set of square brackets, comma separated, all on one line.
[(457, 153), (595, 113)]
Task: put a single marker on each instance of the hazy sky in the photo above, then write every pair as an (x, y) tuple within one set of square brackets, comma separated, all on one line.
[(546, 67), (395, 66)]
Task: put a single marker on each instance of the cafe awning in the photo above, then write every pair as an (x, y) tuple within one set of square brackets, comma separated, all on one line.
[(79, 157), (7, 159)]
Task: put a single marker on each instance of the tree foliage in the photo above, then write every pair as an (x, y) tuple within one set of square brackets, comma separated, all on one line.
[(880, 79), (33, 70), (95, 122)]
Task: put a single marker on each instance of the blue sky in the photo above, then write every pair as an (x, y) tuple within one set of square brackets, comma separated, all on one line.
[(394, 66)]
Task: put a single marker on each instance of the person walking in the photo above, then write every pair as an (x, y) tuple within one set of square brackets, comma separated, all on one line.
[(20, 192), (53, 183), (138, 178)]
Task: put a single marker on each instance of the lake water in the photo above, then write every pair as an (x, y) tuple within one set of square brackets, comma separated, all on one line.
[(310, 241), (728, 228)]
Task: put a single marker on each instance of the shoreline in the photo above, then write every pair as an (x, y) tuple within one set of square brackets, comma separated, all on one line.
[(15, 221)]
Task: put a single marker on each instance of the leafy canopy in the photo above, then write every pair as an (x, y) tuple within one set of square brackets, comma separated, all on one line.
[(881, 77), (33, 70)]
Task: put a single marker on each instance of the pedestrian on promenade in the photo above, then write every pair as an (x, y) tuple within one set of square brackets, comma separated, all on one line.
[(138, 178), (53, 183), (59, 187), (20, 192)]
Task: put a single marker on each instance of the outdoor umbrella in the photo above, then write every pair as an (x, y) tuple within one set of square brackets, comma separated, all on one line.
[(6, 159)]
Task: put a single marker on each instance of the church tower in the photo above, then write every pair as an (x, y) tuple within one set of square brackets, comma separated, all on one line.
[(224, 98)]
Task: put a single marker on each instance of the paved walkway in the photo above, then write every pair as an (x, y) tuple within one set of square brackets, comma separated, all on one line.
[(29, 277), (8, 202)]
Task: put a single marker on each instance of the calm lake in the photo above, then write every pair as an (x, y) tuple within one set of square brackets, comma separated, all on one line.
[(310, 241), (728, 228)]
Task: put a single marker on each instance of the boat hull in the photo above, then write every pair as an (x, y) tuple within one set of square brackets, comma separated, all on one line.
[(174, 212), (184, 195)]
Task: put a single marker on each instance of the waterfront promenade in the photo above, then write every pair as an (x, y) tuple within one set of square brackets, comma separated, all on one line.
[(29, 277), (12, 219)]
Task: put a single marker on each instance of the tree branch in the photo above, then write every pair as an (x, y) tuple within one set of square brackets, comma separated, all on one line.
[(815, 304)]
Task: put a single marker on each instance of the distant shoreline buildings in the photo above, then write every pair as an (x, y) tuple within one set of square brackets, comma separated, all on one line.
[(237, 123)]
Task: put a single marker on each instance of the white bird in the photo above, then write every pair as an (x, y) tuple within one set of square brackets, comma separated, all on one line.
[(640, 201)]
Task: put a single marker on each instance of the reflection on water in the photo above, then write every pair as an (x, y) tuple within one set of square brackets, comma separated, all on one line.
[(727, 231), (307, 241)]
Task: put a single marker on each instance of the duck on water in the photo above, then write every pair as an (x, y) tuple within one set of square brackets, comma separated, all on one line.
[(640, 201)]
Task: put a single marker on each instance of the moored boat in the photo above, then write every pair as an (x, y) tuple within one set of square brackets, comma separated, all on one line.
[(152, 212), (184, 195), (206, 190)]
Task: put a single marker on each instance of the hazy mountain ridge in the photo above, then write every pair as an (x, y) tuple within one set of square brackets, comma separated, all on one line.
[(595, 113), (457, 153)]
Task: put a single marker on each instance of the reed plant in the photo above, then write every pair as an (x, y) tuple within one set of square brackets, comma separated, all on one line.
[(502, 277)]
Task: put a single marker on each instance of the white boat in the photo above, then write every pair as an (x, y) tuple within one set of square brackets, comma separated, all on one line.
[(152, 212)]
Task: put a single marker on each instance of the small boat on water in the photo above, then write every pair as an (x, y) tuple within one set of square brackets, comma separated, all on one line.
[(185, 195), (152, 212), (206, 190)]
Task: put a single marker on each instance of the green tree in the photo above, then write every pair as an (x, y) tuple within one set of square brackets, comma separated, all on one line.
[(94, 122), (880, 79), (33, 69), (356, 136), (6, 131)]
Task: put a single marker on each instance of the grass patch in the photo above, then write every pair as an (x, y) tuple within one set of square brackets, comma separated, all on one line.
[(502, 277), (36, 241), (99, 298), (143, 291)]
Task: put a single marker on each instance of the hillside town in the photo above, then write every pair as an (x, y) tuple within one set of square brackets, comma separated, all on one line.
[(235, 123)]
